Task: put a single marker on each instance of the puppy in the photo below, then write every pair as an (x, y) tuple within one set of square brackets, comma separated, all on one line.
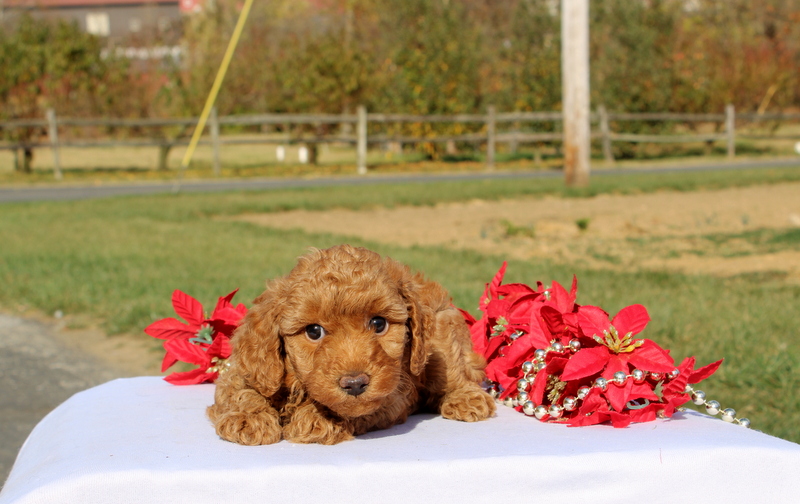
[(348, 342)]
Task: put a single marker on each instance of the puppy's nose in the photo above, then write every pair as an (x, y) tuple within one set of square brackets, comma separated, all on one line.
[(354, 385)]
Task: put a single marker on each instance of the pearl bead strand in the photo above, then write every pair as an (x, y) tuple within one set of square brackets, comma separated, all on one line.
[(713, 408)]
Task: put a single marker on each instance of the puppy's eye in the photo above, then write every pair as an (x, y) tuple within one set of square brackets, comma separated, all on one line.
[(315, 332), (379, 325)]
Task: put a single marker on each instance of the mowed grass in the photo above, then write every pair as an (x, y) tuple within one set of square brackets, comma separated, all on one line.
[(117, 261)]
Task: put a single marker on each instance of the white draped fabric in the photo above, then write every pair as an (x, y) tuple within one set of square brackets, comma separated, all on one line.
[(142, 440)]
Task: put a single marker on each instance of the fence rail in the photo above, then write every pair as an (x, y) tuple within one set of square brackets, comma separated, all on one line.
[(488, 133)]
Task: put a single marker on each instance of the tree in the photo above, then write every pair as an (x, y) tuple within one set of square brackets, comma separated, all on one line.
[(49, 65)]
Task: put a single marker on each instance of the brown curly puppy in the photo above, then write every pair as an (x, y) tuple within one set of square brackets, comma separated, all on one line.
[(347, 343)]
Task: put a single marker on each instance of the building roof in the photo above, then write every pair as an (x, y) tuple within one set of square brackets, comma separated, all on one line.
[(79, 3)]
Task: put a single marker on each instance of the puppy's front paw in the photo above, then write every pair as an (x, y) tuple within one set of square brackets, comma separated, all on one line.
[(249, 428), (470, 404), (308, 425)]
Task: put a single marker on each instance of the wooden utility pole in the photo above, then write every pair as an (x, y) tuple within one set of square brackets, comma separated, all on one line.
[(575, 90)]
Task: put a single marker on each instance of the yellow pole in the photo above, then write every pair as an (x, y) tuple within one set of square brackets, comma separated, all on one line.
[(212, 95)]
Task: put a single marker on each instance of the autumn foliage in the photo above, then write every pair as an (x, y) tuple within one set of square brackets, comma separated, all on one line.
[(422, 57)]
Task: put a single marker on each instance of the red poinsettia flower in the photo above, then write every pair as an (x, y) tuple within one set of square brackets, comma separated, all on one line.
[(507, 312), (209, 360), (518, 320), (480, 329), (594, 410), (616, 351), (199, 333), (545, 352), (225, 318)]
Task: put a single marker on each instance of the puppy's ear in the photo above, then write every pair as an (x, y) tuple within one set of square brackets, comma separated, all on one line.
[(421, 323), (257, 345)]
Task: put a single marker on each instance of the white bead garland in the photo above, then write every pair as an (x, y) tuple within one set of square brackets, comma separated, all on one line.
[(713, 408)]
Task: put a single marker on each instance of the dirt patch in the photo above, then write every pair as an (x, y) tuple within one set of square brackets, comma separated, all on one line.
[(132, 355), (724, 232), (127, 354)]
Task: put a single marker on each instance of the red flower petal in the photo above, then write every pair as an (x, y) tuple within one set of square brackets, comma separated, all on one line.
[(616, 363), (221, 347), (491, 289), (187, 352), (584, 420), (168, 361), (225, 301), (499, 371), (480, 340), (468, 318), (515, 288), (221, 327), (669, 410), (632, 319), (498, 277), (593, 410), (677, 385), (539, 332), (651, 357), (571, 322), (538, 387), (646, 414), (586, 362), (168, 328), (704, 372), (617, 395), (642, 391), (187, 307), (561, 298), (522, 307), (553, 318), (498, 308), (493, 347), (192, 377), (593, 320), (619, 420), (520, 350), (556, 365), (676, 401), (229, 315)]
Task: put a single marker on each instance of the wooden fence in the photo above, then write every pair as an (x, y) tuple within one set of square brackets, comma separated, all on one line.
[(487, 133)]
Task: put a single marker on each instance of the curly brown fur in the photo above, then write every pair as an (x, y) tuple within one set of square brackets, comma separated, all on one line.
[(360, 375)]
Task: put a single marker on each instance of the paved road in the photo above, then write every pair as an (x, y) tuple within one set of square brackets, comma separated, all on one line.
[(37, 373), (74, 192)]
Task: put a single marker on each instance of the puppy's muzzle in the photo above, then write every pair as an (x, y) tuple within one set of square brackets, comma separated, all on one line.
[(354, 384)]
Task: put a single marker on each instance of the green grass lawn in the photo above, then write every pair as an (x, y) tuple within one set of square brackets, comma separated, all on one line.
[(117, 261)]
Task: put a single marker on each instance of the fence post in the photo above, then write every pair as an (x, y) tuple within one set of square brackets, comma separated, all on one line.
[(605, 133), (491, 136), (214, 126), (513, 146), (52, 133), (361, 141), (730, 129)]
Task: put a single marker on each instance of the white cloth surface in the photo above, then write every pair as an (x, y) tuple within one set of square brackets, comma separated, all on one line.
[(142, 440)]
